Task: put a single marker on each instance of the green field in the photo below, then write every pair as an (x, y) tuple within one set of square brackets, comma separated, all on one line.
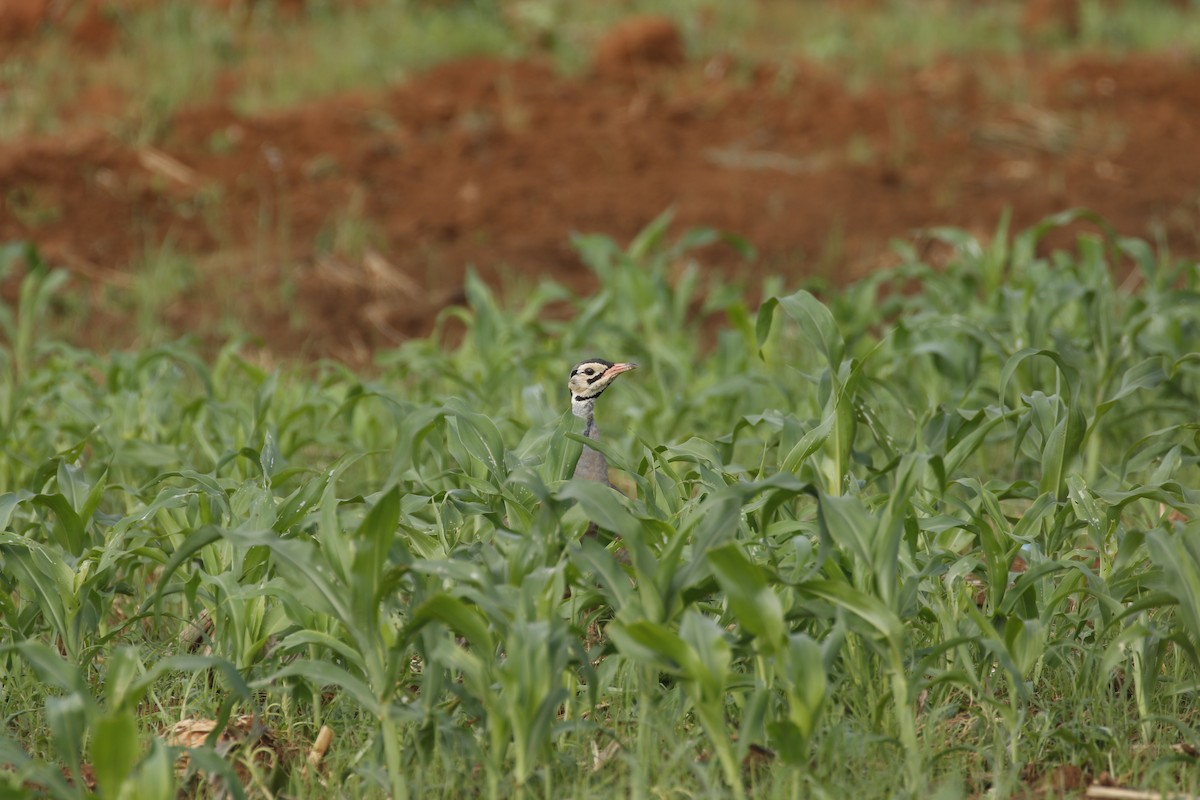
[(886, 542)]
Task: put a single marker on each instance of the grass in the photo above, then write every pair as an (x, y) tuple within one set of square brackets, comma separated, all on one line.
[(174, 53), (883, 542)]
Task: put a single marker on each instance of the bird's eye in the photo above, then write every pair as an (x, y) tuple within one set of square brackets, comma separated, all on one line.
[(589, 371)]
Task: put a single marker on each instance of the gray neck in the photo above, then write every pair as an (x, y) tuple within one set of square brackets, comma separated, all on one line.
[(586, 410), (591, 465)]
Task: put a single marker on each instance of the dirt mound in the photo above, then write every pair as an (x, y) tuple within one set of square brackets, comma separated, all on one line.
[(20, 19), (363, 212), (639, 43), (90, 24), (1054, 16)]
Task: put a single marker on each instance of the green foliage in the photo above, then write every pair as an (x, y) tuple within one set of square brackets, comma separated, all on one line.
[(881, 527)]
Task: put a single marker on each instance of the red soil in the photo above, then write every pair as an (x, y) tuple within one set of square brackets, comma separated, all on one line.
[(494, 164)]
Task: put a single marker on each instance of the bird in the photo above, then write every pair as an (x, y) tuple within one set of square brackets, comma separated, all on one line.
[(588, 381)]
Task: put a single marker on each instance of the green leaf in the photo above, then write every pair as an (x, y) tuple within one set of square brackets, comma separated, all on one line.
[(806, 688), (309, 638), (52, 668), (1026, 641), (650, 239), (67, 717), (817, 325), (194, 542), (968, 444), (849, 526), (206, 760), (324, 673), (789, 741), (1145, 374), (234, 682), (21, 769), (764, 321), (155, 776), (44, 574), (69, 529), (9, 502), (115, 750), (864, 606), (603, 505), (304, 568), (561, 452), (480, 437), (373, 542), (812, 441), (1069, 374), (655, 644), (122, 669), (754, 604), (592, 556), (457, 615), (1179, 558), (807, 684), (711, 653)]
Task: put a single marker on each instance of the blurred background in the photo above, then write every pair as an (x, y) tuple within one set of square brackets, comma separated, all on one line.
[(321, 175)]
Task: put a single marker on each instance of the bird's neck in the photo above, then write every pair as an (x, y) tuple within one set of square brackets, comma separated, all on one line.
[(586, 410)]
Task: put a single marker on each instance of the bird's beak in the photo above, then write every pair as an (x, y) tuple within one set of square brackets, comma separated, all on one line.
[(617, 369)]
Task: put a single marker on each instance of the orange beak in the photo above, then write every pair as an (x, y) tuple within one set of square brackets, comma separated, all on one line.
[(617, 369)]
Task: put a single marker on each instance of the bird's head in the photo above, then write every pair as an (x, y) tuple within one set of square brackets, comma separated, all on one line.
[(590, 378)]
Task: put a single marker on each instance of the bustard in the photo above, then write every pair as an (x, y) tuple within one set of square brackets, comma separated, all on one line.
[(588, 381)]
